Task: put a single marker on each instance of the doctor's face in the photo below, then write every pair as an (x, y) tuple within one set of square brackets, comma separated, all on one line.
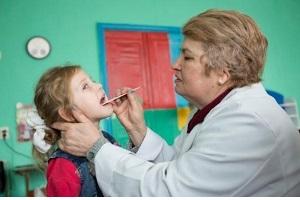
[(191, 79)]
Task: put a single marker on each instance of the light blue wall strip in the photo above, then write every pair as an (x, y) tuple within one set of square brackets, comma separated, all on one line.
[(175, 39)]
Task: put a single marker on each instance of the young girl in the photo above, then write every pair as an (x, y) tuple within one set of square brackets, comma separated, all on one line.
[(58, 91)]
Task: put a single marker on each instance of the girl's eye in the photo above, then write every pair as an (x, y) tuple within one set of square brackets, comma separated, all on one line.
[(85, 86)]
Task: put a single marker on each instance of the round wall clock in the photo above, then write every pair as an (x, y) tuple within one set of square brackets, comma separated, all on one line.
[(38, 47)]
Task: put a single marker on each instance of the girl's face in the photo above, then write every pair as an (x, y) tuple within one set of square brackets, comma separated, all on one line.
[(89, 96)]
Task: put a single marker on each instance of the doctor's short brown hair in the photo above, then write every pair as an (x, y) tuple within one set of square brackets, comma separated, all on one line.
[(230, 40)]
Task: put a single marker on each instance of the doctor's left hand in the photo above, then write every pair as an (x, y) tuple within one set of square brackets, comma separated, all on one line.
[(130, 113), (77, 138)]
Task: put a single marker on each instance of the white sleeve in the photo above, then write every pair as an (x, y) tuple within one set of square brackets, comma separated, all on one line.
[(219, 162), (110, 163), (121, 173), (154, 148)]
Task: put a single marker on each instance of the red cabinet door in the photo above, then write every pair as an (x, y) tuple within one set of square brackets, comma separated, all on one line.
[(141, 59)]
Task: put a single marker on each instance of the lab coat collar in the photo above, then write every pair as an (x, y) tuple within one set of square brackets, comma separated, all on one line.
[(201, 114)]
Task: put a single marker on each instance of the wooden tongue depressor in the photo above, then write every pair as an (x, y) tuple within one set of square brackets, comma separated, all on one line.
[(117, 97)]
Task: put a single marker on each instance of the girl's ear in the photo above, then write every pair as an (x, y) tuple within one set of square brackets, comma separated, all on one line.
[(65, 115)]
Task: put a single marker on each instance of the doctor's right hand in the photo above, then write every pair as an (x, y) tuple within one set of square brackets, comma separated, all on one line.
[(77, 138), (129, 111)]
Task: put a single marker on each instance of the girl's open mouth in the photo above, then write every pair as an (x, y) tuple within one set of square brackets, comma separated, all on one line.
[(102, 100)]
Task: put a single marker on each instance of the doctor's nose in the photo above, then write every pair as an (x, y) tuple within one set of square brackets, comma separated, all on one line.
[(177, 64)]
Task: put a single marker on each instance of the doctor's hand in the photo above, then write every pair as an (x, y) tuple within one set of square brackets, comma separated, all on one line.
[(129, 111), (77, 138)]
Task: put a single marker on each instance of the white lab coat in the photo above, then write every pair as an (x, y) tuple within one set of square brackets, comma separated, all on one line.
[(246, 146)]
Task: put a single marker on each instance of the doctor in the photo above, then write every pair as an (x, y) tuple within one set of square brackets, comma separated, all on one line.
[(239, 142)]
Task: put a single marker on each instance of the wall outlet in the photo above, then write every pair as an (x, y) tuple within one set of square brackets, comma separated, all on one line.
[(4, 132)]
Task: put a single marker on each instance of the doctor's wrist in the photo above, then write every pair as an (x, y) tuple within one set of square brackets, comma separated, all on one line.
[(132, 147), (137, 136), (91, 154)]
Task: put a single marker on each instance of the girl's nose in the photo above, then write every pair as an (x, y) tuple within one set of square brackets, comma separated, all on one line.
[(98, 86)]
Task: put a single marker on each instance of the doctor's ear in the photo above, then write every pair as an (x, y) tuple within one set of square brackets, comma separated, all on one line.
[(224, 76), (63, 113)]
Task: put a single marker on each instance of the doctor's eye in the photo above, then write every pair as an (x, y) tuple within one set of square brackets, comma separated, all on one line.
[(186, 58)]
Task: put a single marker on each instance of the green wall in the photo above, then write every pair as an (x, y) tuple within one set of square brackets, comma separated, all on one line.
[(70, 26)]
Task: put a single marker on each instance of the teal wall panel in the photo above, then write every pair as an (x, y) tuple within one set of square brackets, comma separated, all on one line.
[(162, 121)]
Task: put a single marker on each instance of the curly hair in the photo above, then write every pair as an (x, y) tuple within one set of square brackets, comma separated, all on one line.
[(230, 40), (52, 93)]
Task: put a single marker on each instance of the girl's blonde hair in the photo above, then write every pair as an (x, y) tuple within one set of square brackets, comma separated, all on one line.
[(52, 93)]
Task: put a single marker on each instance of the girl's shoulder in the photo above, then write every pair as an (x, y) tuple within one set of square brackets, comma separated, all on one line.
[(62, 178), (76, 160)]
